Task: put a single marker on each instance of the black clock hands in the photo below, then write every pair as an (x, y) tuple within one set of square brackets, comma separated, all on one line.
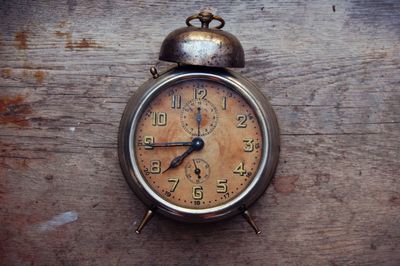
[(197, 170), (169, 144), (196, 145), (178, 160), (198, 119)]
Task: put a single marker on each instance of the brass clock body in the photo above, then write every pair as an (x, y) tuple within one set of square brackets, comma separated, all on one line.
[(198, 143)]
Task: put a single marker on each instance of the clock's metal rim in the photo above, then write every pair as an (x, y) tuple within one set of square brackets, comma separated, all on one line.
[(269, 128)]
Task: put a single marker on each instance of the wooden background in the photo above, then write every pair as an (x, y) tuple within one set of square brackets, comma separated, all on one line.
[(331, 70)]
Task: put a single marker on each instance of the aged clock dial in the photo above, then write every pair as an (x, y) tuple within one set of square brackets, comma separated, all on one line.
[(197, 171), (204, 111), (198, 144)]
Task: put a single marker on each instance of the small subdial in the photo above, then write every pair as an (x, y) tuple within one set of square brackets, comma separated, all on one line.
[(197, 170), (199, 117)]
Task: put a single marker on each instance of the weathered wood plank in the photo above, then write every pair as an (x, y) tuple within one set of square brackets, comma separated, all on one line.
[(68, 68)]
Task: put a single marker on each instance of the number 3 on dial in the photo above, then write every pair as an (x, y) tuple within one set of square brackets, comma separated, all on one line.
[(248, 144)]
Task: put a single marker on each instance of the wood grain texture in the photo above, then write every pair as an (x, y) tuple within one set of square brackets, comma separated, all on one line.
[(331, 73)]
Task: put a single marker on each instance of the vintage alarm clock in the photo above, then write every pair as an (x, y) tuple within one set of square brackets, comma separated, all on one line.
[(199, 142)]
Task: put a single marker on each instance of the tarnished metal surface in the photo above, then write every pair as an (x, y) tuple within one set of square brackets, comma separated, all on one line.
[(203, 46)]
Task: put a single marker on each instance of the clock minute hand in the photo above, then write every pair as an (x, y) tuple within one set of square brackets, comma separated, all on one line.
[(198, 120), (169, 144)]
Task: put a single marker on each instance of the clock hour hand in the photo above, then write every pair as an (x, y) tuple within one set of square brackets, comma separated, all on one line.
[(196, 145), (178, 160), (169, 144)]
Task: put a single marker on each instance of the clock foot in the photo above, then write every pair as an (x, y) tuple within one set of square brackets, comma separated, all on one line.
[(146, 218), (250, 220)]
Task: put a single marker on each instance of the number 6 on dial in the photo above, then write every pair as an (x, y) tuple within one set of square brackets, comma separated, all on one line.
[(197, 192)]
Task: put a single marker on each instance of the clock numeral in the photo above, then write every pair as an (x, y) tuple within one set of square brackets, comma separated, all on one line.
[(197, 192), (222, 186), (240, 169), (146, 171), (174, 182), (242, 121), (199, 93), (159, 119), (155, 167), (224, 103), (248, 144), (176, 101), (148, 140)]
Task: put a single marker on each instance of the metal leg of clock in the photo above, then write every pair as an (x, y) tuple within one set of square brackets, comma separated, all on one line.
[(146, 218), (250, 220)]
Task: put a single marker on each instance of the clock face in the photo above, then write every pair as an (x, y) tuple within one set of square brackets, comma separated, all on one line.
[(198, 144)]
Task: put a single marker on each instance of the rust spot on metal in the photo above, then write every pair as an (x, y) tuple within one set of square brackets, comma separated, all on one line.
[(6, 73), (22, 40), (39, 75), (285, 184), (13, 110), (84, 43)]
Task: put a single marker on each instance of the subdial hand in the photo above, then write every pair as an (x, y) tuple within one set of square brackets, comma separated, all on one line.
[(198, 119), (197, 170), (196, 145)]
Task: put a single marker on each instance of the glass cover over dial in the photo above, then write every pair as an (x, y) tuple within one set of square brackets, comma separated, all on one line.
[(198, 144)]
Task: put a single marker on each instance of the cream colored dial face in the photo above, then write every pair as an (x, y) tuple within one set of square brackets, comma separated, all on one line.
[(198, 144)]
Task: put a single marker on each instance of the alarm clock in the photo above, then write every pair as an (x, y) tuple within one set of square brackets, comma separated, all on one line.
[(199, 142)]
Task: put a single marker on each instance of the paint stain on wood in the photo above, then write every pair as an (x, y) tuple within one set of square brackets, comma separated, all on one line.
[(58, 220), (14, 110), (66, 35), (3, 190), (6, 73), (62, 34), (62, 24), (82, 44), (21, 39), (285, 184), (49, 177), (39, 76), (395, 200)]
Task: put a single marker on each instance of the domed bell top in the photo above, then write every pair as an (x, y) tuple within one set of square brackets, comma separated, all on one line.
[(203, 46)]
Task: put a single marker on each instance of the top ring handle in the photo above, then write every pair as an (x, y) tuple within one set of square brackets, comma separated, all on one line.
[(205, 19)]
